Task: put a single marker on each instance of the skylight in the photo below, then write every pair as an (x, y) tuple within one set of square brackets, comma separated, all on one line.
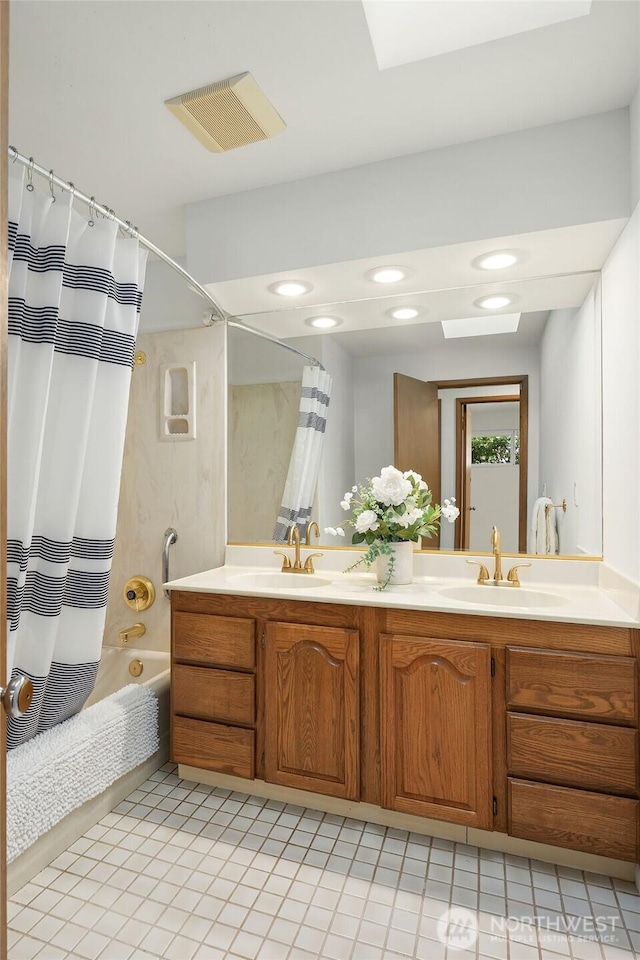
[(480, 326), (404, 30)]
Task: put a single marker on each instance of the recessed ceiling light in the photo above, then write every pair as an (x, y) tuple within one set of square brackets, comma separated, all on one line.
[(494, 302), (480, 326), (324, 322), (290, 288), (387, 274), (403, 313), (497, 260)]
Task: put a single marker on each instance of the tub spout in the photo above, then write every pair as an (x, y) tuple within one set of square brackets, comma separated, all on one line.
[(137, 630)]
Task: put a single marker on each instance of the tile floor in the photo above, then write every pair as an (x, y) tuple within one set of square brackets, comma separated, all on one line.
[(186, 872)]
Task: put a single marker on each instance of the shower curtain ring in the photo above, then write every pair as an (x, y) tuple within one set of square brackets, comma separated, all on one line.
[(15, 154), (72, 189), (92, 210), (30, 186), (53, 196)]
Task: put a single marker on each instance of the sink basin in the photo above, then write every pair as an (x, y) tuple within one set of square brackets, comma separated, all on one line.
[(278, 581), (503, 596)]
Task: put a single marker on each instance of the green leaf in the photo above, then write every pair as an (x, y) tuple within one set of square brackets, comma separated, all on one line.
[(358, 538)]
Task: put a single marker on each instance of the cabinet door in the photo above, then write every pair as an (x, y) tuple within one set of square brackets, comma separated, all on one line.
[(312, 709), (435, 716)]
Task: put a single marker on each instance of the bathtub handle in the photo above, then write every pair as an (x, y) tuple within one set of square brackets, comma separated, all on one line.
[(170, 537)]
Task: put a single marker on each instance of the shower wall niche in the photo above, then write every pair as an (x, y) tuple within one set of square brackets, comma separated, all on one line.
[(178, 401)]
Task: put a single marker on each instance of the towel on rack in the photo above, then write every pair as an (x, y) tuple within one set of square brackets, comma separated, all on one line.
[(544, 527)]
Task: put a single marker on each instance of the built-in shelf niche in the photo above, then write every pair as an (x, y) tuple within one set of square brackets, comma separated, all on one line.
[(178, 401)]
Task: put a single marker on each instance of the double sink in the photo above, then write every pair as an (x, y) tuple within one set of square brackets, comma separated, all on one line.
[(488, 595)]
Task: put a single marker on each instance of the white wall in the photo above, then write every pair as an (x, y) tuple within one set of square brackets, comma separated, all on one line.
[(495, 497), (469, 358), (534, 179), (621, 401), (168, 303), (570, 424), (179, 484), (634, 127)]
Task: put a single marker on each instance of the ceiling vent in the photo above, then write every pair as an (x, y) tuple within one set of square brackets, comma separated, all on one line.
[(228, 114)]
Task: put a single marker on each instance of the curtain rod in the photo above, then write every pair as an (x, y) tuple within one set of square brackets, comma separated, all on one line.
[(218, 314)]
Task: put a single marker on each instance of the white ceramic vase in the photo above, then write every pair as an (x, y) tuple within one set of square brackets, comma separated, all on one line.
[(403, 566)]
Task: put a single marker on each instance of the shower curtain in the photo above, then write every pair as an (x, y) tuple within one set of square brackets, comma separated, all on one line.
[(304, 467), (75, 291)]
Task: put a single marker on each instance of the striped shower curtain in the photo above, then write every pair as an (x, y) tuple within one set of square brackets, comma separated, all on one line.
[(304, 467), (75, 290)]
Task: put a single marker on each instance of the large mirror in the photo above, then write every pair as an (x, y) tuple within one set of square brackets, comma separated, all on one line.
[(507, 422)]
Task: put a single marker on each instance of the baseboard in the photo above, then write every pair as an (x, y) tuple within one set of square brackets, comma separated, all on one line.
[(432, 828)]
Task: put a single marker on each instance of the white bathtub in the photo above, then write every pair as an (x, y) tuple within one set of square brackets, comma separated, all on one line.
[(113, 674)]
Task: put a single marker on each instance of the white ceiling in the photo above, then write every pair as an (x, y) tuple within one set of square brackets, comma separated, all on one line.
[(88, 82)]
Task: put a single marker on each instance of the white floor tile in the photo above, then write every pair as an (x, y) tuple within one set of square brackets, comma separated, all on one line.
[(181, 871)]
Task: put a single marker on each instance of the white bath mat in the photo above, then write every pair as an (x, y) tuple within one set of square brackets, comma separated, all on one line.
[(62, 768)]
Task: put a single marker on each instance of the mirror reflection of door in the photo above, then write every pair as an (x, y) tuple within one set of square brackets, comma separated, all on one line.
[(491, 470), (416, 434)]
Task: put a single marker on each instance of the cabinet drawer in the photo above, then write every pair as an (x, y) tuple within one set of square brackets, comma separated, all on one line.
[(213, 694), (213, 746), (594, 756), (224, 641), (577, 819), (572, 684)]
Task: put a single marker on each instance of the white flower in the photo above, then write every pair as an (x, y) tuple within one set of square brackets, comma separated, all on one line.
[(346, 503), (354, 488), (408, 519), (367, 521), (331, 530), (340, 532), (391, 487), (449, 511)]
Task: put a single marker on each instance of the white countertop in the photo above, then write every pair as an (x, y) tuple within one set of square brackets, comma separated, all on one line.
[(563, 603)]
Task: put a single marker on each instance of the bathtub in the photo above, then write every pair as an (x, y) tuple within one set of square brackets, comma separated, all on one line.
[(113, 674)]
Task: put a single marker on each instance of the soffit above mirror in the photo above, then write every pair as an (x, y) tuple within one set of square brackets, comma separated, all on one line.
[(441, 282)]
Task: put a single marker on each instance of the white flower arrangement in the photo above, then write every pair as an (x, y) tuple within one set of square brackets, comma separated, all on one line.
[(392, 508)]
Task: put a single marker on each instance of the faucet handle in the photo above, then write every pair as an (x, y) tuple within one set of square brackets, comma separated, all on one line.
[(483, 573), (308, 564), (286, 563), (512, 576)]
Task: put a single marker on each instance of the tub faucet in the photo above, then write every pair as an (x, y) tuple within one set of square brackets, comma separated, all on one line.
[(137, 630)]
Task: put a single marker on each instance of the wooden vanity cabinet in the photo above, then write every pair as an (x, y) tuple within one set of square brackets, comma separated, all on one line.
[(435, 698), (213, 695), (521, 727), (572, 750), (312, 715)]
